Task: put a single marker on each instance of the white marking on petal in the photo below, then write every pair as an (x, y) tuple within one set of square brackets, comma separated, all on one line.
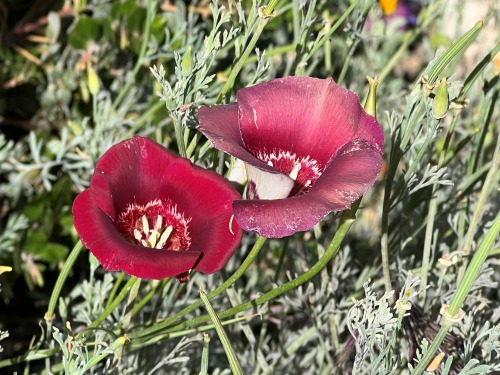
[(255, 118), (270, 163), (231, 224), (269, 185)]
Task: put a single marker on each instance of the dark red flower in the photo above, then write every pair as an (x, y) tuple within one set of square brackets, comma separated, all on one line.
[(309, 149), (154, 215)]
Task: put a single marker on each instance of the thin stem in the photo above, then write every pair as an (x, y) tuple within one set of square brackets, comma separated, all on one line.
[(345, 224), (237, 67), (145, 41), (118, 281), (116, 302), (239, 272), (68, 265), (462, 291), (347, 62), (478, 213)]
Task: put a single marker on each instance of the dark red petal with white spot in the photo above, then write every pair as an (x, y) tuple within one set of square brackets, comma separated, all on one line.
[(348, 176), (99, 234)]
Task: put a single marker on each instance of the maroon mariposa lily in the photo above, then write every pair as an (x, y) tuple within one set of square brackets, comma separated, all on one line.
[(155, 215), (309, 149)]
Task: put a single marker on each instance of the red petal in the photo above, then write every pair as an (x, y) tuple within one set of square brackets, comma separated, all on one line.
[(220, 125), (206, 197), (99, 234), (348, 176), (309, 116), (131, 169)]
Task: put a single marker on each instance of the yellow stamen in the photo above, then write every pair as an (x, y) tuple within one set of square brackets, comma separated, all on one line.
[(145, 224), (137, 235), (164, 237), (295, 171)]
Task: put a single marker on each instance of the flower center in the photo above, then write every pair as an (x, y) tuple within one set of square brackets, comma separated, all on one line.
[(157, 224), (303, 170)]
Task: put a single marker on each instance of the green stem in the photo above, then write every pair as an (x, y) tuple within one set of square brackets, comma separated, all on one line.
[(334, 28), (116, 302), (145, 41), (118, 281), (478, 213), (475, 74), (347, 62), (239, 272), (228, 349), (345, 224), (463, 290), (237, 67), (68, 265), (179, 137)]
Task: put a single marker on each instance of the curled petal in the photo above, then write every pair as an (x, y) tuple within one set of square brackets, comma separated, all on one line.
[(348, 176), (220, 125)]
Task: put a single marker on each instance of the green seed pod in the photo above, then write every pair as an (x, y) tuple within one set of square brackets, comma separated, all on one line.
[(441, 101), (187, 62), (371, 99)]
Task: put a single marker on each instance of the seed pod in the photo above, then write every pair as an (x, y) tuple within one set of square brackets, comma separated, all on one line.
[(441, 101)]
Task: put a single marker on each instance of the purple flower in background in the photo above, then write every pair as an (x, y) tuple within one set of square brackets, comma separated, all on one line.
[(309, 149), (403, 12)]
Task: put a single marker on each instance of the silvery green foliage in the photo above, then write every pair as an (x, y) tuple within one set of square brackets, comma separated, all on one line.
[(10, 235), (371, 322), (192, 69), (77, 356), (482, 339), (431, 176)]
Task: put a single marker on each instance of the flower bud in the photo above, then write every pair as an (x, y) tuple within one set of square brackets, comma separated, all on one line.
[(187, 62), (371, 99), (441, 101)]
